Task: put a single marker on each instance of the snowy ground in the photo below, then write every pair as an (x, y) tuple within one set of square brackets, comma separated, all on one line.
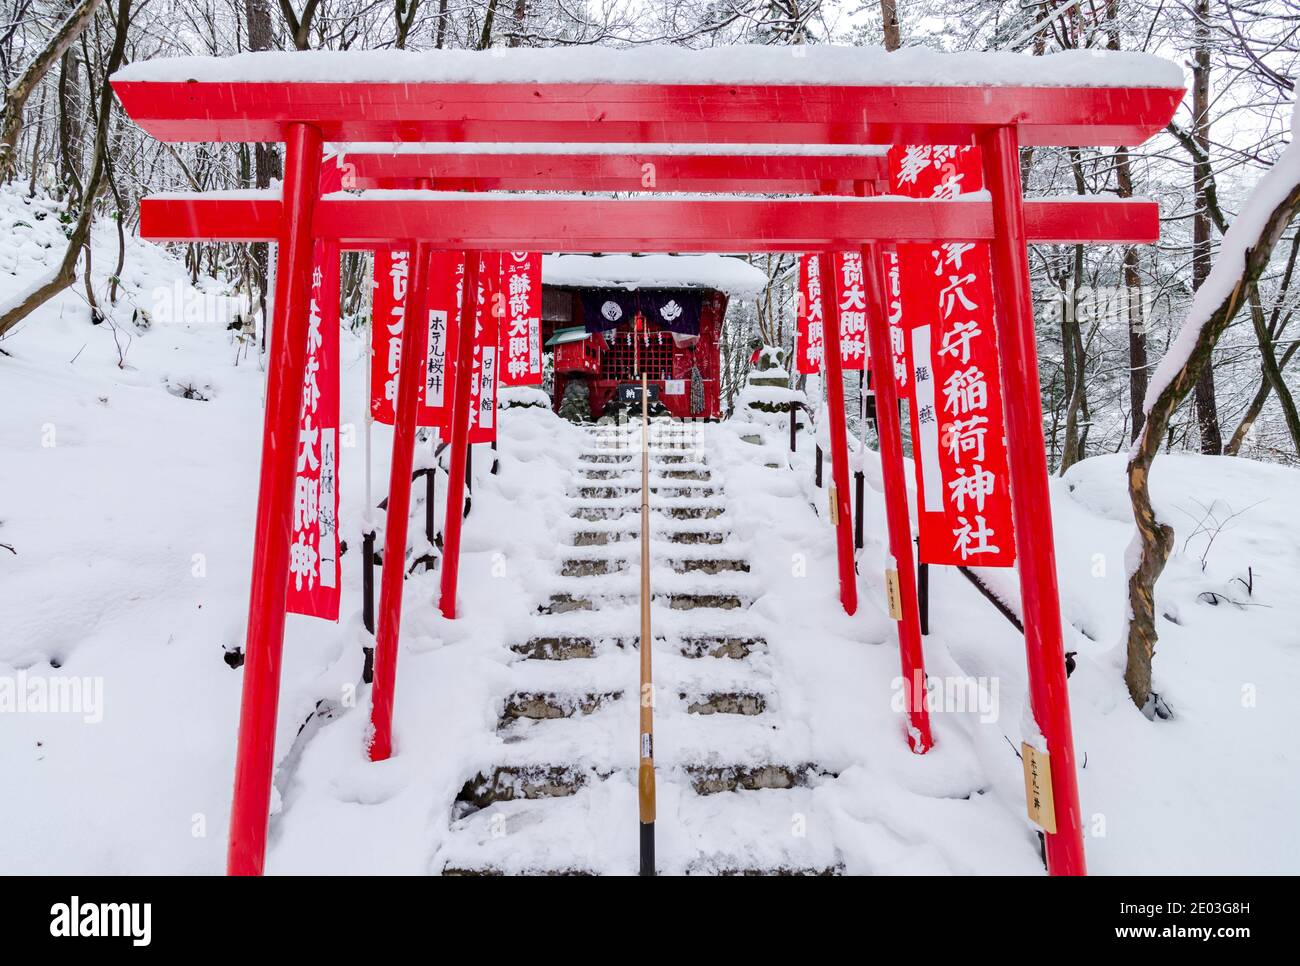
[(130, 511)]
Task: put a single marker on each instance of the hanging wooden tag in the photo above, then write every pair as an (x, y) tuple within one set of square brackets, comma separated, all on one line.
[(1038, 787), (892, 595), (835, 507)]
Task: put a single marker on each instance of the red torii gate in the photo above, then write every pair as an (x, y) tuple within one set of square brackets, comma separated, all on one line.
[(998, 119)]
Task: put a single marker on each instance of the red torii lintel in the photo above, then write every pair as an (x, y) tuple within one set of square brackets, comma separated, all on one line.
[(198, 110), (631, 168), (999, 118), (491, 223)]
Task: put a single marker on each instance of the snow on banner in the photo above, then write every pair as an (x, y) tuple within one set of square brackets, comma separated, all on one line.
[(952, 356), (853, 313), (314, 554), (521, 328)]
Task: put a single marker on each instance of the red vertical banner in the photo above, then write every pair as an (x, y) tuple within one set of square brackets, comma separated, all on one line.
[(958, 435), (314, 551), (853, 310), (443, 304), (487, 325), (521, 326), (853, 313), (898, 355), (811, 348), (388, 315)]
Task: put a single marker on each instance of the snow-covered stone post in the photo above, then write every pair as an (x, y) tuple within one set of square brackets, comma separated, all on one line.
[(842, 512), (273, 533), (1049, 697)]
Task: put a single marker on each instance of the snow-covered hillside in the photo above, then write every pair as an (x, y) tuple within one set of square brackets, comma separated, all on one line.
[(128, 504)]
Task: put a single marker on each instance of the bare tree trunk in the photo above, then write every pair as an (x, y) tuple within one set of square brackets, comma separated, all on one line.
[(1207, 409), (11, 120), (1133, 308), (485, 39), (404, 13), (889, 21), (1257, 405), (1155, 538), (442, 24), (521, 14), (266, 162), (66, 273)]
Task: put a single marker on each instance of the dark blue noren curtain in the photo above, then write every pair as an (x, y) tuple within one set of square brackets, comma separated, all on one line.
[(675, 310), (606, 308)]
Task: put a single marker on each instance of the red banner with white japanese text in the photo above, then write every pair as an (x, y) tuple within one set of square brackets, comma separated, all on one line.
[(487, 324), (521, 324), (438, 364), (853, 310), (897, 334), (958, 434), (853, 313), (388, 315), (314, 554), (810, 349)]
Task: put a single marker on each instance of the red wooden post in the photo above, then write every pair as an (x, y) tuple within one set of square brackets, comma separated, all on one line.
[(255, 754), (1048, 692), (459, 437), (832, 368), (399, 505), (894, 477)]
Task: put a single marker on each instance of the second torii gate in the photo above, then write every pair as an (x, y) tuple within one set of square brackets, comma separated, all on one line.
[(303, 113)]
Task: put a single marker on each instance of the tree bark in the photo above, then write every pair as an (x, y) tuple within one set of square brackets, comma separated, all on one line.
[(11, 120), (266, 161), (521, 14), (1156, 538), (889, 22), (485, 38), (442, 25), (66, 273), (1207, 409)]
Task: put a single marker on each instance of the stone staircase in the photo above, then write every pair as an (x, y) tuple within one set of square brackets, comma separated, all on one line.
[(559, 797)]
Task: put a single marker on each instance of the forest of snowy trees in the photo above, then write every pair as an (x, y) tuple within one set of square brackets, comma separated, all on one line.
[(1105, 314)]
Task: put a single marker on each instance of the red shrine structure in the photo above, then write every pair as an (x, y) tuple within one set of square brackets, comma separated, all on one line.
[(608, 319), (746, 100)]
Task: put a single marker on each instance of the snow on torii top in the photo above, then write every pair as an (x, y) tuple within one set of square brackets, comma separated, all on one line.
[(666, 64), (727, 274), (822, 94)]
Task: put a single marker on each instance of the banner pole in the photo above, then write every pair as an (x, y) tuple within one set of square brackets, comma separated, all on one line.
[(646, 771)]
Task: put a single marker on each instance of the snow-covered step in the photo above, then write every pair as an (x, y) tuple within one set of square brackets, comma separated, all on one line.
[(595, 600), (660, 490), (774, 832), (546, 705), (566, 647), (527, 706), (624, 622), (598, 566), (589, 533)]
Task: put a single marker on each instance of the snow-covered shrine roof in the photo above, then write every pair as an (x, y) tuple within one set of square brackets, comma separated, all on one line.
[(663, 64), (724, 273)]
